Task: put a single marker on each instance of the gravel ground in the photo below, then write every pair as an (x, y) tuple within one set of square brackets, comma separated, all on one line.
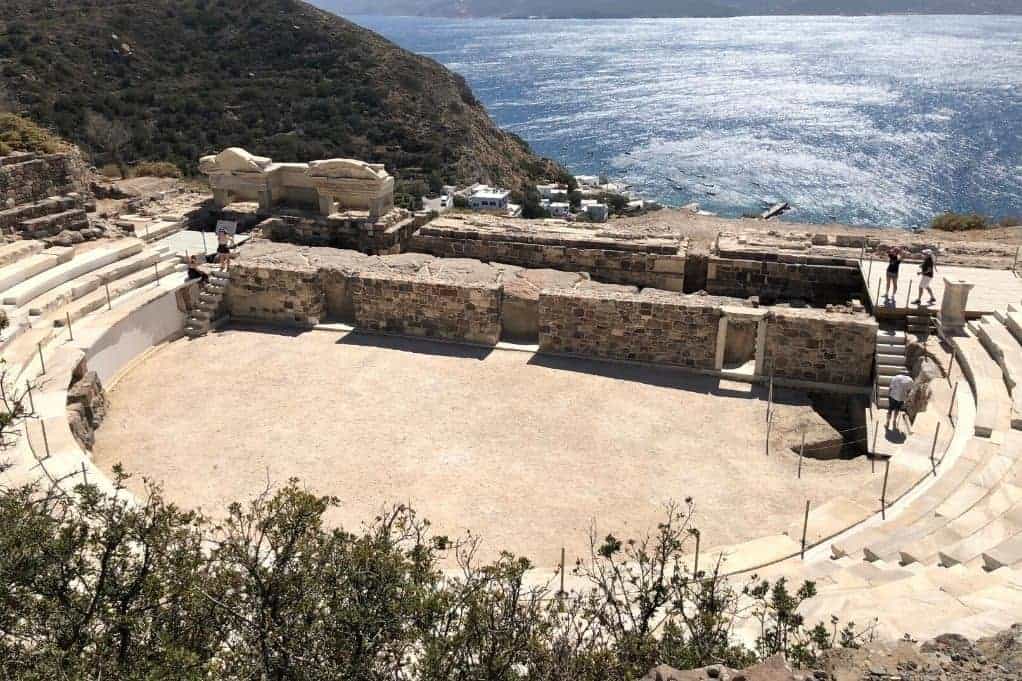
[(524, 451)]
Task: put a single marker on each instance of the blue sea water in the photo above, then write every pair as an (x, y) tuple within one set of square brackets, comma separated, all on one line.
[(864, 120)]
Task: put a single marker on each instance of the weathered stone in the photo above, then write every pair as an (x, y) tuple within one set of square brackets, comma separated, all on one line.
[(814, 346)]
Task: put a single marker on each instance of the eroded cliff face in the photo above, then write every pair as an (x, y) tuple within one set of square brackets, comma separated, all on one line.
[(180, 78)]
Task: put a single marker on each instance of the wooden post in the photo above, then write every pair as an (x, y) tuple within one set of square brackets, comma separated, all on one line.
[(156, 269), (561, 592), (106, 284), (805, 529), (801, 453), (883, 492), (933, 450), (42, 363), (46, 440), (70, 332)]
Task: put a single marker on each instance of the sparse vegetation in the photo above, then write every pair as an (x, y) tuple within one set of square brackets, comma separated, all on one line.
[(20, 134), (156, 169), (959, 222)]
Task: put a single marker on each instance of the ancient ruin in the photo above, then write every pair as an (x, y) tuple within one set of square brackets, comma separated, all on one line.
[(520, 377)]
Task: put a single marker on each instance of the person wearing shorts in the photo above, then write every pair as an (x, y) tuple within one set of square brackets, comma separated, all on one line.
[(926, 271), (898, 392)]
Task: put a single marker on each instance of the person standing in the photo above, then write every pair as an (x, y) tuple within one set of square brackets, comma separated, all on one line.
[(926, 271), (901, 386), (893, 265), (225, 242)]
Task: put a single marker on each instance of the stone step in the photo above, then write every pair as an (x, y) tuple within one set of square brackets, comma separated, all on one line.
[(890, 349), (993, 402), (890, 370), (1005, 349), (986, 539), (23, 270), (19, 250), (82, 264), (1006, 554), (12, 218), (890, 337), (51, 225), (76, 288), (119, 288), (890, 360)]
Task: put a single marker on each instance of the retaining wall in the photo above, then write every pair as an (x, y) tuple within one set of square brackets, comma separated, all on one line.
[(782, 280), (26, 178), (653, 326), (277, 294), (811, 345), (403, 304), (653, 262)]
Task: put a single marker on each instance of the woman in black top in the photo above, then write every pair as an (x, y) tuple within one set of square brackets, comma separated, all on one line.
[(893, 263)]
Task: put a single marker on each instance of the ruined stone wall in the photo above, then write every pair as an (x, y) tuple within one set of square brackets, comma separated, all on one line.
[(786, 278), (652, 326), (26, 178), (655, 263), (812, 345), (276, 294), (402, 304)]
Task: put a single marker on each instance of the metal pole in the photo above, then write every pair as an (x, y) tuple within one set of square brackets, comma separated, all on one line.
[(908, 298), (31, 400), (883, 492), (85, 475), (1015, 264), (561, 592), (46, 440), (156, 269), (951, 367), (108, 305), (770, 396), (70, 332), (801, 453), (42, 363), (880, 282), (205, 251), (954, 396), (876, 435), (805, 529), (933, 450), (695, 568), (770, 424), (869, 273)]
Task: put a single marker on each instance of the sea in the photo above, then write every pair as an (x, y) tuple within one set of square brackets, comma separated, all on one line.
[(881, 121)]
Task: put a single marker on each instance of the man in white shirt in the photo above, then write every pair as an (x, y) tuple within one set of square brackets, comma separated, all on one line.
[(901, 386)]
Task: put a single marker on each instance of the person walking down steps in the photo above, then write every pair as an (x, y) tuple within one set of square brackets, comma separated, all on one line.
[(926, 271), (893, 265), (901, 386)]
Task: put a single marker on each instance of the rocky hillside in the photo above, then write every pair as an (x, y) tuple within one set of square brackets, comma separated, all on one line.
[(135, 80)]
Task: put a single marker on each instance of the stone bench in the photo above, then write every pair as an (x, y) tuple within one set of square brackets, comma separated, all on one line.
[(16, 273), (19, 250), (985, 539), (993, 403), (86, 262), (1007, 351)]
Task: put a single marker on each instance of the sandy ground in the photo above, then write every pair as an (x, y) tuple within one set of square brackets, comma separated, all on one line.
[(523, 450)]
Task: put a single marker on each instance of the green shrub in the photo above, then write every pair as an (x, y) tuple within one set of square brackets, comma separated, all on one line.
[(110, 171), (20, 134), (959, 222), (156, 169), (1010, 221)]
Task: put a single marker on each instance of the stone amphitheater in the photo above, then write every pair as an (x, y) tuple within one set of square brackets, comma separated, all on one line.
[(934, 545)]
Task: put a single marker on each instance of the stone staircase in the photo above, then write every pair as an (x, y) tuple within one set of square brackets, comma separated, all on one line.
[(890, 361), (202, 316)]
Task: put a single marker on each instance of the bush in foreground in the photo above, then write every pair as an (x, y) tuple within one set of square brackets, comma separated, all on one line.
[(94, 587), (156, 169)]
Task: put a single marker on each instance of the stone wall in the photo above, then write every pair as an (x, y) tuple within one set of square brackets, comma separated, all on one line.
[(403, 304), (27, 177), (821, 347), (783, 279), (276, 293), (607, 257), (653, 326)]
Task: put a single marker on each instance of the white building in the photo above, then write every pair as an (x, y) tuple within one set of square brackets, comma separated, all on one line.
[(489, 199), (558, 209), (595, 211), (552, 192)]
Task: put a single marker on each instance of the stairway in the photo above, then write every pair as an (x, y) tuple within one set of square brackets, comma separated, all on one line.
[(200, 317), (890, 361)]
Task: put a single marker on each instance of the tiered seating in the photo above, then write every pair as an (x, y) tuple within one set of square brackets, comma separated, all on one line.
[(993, 402), (1007, 352)]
